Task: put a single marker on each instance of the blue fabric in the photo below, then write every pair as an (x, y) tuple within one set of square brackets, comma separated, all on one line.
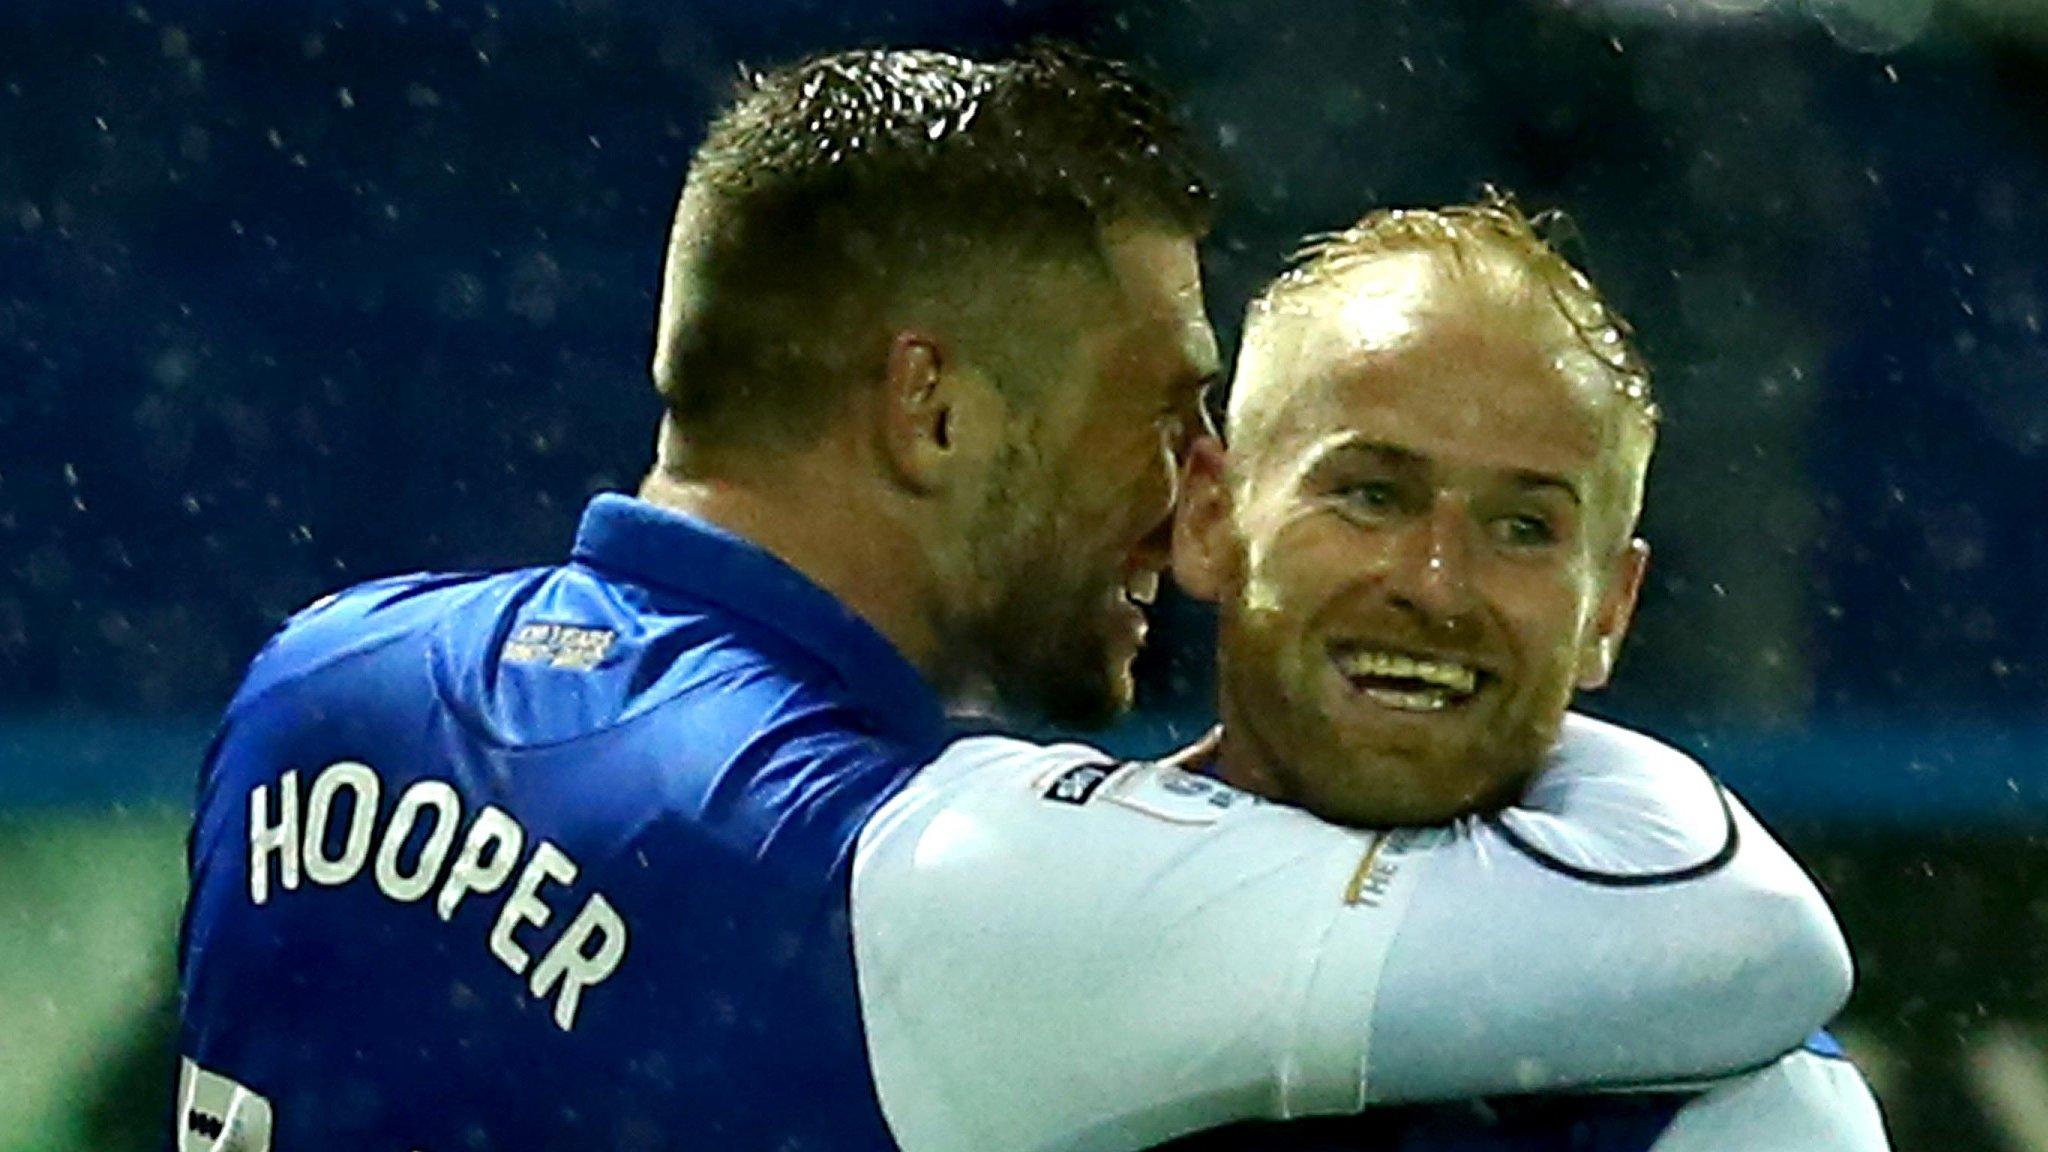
[(702, 733), (1824, 1044)]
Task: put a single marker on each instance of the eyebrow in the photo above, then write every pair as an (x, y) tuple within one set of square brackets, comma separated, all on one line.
[(1527, 479), (1533, 481)]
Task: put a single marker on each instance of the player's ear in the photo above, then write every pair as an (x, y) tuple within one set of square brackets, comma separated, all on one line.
[(1597, 656), (931, 414), (1205, 551)]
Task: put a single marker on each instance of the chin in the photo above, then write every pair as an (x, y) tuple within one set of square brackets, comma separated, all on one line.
[(1118, 696), (1116, 684), (1408, 810), (1085, 700), (1381, 788), (1375, 810)]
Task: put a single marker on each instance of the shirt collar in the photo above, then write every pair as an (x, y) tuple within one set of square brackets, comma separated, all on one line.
[(686, 554)]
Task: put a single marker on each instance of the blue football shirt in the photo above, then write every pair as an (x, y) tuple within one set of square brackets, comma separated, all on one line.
[(553, 858)]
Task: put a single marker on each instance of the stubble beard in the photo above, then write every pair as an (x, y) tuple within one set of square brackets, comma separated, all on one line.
[(1041, 627), (1319, 763)]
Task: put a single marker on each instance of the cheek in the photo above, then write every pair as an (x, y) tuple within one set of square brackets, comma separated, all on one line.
[(1549, 611), (1293, 571), (1132, 481)]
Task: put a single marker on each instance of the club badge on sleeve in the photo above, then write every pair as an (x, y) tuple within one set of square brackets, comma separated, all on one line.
[(1157, 790)]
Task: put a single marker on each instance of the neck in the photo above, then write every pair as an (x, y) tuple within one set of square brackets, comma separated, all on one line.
[(1245, 773), (1239, 760), (818, 522)]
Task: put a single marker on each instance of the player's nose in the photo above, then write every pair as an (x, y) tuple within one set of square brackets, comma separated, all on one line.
[(1431, 574)]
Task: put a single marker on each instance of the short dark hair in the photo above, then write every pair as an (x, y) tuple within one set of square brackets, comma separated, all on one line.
[(833, 189)]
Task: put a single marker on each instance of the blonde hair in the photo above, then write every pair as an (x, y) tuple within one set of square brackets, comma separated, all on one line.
[(1462, 235)]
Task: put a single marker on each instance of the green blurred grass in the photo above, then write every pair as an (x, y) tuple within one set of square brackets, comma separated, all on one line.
[(88, 925)]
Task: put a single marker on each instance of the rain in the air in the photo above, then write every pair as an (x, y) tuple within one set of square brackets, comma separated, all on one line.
[(1024, 576)]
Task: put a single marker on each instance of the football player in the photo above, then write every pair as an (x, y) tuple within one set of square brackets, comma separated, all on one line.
[(665, 845)]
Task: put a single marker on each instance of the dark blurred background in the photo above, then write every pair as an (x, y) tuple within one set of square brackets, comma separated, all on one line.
[(298, 293)]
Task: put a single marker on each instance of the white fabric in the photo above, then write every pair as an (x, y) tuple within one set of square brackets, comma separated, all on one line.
[(1171, 954), (1802, 1103), (1515, 978)]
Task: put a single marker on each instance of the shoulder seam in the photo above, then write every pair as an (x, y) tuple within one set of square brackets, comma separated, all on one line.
[(241, 704), (382, 591)]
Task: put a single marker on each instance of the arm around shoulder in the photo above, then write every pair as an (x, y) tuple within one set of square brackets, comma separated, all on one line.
[(1629, 924), (1055, 950)]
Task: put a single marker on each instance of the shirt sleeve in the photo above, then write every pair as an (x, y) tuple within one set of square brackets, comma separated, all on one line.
[(1058, 951), (1630, 923), (1806, 1102)]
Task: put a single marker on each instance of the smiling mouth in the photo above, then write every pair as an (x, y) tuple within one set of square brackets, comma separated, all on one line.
[(1406, 682)]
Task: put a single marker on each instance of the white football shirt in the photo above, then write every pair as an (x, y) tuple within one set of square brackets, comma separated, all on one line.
[(1058, 951), (1805, 1102)]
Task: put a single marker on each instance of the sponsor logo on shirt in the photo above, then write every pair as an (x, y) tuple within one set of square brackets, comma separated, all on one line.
[(1156, 790), (569, 646), (1178, 797), (1077, 785)]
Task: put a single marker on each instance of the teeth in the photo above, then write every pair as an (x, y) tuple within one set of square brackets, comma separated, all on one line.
[(1142, 586), (1428, 700), (1444, 674)]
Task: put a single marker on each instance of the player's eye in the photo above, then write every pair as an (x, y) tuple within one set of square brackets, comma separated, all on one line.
[(1369, 497), (1523, 530)]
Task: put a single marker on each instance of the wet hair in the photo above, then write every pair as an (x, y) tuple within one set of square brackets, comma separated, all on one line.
[(838, 195), (1507, 256), (1492, 237)]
